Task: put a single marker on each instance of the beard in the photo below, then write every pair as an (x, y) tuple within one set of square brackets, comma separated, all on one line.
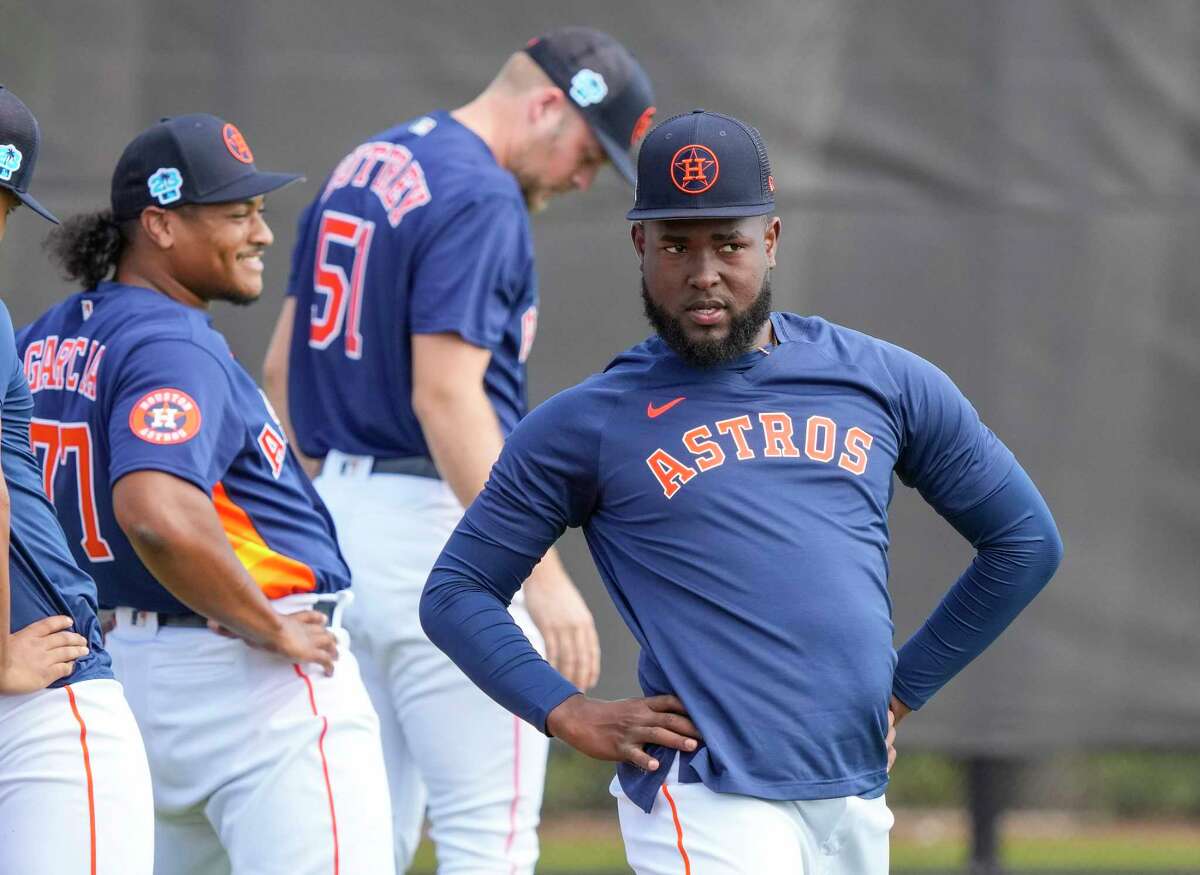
[(743, 329)]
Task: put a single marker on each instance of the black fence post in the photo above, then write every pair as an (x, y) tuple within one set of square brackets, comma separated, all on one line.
[(988, 785)]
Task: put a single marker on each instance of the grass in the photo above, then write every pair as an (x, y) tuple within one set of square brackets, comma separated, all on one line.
[(1175, 853)]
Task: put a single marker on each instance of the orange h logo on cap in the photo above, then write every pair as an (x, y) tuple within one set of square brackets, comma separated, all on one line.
[(694, 169)]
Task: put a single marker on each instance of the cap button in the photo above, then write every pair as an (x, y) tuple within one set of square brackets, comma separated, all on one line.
[(694, 111)]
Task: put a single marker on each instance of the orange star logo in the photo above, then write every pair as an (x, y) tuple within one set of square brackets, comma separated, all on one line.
[(694, 169)]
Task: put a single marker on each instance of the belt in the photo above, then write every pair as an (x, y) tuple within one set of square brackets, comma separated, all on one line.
[(345, 465), (192, 620)]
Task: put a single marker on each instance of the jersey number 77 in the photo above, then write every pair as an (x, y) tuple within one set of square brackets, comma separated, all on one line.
[(342, 305), (60, 440)]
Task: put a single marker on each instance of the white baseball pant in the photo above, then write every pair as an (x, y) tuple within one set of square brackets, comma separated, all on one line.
[(479, 769), (74, 786), (692, 830), (258, 765)]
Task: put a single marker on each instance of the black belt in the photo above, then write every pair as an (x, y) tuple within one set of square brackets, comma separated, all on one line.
[(192, 620), (413, 466)]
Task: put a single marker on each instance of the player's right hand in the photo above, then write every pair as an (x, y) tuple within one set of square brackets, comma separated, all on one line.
[(40, 654), (616, 731), (301, 637)]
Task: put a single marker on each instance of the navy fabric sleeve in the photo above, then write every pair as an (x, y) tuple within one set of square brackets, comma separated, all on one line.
[(543, 482), (10, 362), (947, 453), (465, 276), (1019, 550), (172, 411)]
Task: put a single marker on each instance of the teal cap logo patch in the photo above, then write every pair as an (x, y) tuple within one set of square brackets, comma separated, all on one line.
[(588, 87), (10, 161), (165, 184)]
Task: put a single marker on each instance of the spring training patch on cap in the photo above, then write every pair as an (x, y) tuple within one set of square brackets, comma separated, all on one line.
[(10, 161), (588, 87), (165, 184), (165, 416), (236, 144), (694, 169)]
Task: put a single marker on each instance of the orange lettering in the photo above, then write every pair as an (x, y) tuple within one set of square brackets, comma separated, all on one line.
[(709, 451), (669, 471), (737, 428), (777, 431), (819, 435), (854, 459)]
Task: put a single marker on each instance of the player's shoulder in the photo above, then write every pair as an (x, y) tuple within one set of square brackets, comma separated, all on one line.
[(454, 159), (871, 356)]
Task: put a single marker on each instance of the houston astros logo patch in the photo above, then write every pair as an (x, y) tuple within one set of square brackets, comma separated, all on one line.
[(236, 144), (165, 416), (694, 169), (10, 161)]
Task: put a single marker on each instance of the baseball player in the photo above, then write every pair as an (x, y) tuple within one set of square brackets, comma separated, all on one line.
[(732, 476), (74, 786), (203, 534), (400, 354)]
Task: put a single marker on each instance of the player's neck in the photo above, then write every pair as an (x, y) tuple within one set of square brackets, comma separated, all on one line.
[(150, 276), (486, 119)]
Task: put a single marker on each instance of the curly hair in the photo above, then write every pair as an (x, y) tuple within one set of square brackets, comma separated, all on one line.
[(87, 247)]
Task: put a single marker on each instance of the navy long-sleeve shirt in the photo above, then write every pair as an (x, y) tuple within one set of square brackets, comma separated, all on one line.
[(738, 518)]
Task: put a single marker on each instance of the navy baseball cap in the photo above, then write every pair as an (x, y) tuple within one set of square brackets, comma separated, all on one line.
[(703, 165), (20, 138), (605, 83), (188, 159)]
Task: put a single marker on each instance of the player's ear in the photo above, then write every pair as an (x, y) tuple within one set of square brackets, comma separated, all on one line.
[(156, 224), (546, 106), (771, 231), (638, 234)]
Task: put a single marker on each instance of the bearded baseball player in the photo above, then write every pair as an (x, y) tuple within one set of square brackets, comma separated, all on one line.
[(732, 475), (74, 786), (204, 535), (400, 355)]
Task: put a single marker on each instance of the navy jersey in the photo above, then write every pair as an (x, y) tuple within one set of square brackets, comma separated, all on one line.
[(418, 231), (738, 518), (125, 379), (44, 580)]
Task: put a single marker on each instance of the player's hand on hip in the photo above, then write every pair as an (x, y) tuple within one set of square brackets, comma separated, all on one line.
[(566, 624), (617, 731), (40, 654), (301, 637), (897, 710)]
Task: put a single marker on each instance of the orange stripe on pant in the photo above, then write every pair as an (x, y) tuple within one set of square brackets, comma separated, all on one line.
[(276, 575), (312, 700), (687, 864), (87, 769)]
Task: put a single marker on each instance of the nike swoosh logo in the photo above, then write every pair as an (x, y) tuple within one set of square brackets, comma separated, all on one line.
[(653, 411)]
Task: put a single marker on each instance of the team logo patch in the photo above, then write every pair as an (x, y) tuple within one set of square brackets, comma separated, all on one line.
[(236, 144), (588, 87), (10, 161), (694, 169), (165, 184), (165, 416), (87, 307), (642, 125)]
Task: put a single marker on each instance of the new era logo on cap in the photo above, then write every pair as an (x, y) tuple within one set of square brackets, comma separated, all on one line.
[(702, 165)]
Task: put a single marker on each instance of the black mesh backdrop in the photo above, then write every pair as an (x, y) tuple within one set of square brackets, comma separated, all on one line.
[(1008, 189)]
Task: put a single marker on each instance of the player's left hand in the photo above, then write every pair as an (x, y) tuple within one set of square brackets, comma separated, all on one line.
[(40, 654), (560, 614)]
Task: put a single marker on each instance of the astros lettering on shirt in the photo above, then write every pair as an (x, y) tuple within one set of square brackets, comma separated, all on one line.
[(738, 518), (418, 231), (125, 379), (44, 580)]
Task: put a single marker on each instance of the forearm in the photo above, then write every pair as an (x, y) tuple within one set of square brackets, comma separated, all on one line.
[(463, 436), (1018, 551), (464, 612), (175, 531), (5, 603)]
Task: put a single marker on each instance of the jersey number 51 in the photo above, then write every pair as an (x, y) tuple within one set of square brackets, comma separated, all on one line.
[(342, 304)]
